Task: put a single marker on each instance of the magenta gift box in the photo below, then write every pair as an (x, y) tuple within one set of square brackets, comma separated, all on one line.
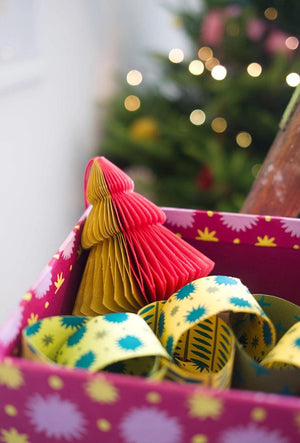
[(46, 403)]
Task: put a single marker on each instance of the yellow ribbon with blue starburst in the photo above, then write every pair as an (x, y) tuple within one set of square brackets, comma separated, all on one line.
[(120, 342), (258, 345), (212, 331)]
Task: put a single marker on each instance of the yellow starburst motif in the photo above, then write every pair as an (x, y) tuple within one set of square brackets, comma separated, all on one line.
[(204, 406), (10, 376), (32, 319), (258, 414), (100, 390), (12, 436), (205, 235), (27, 296), (59, 282), (265, 241)]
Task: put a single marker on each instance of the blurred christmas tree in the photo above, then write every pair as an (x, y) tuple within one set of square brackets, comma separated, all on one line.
[(197, 138)]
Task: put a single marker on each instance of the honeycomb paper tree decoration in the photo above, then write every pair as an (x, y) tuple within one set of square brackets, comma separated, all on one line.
[(133, 259)]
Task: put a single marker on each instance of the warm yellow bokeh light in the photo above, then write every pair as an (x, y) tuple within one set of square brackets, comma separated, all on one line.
[(254, 69), (205, 53), (176, 55), (243, 139), (292, 43), (211, 63), (219, 124), (132, 103), (271, 13), (293, 79), (197, 117), (219, 72), (134, 77), (196, 67)]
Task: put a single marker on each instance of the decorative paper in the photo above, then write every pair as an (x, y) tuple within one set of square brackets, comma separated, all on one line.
[(209, 332), (190, 328), (101, 406), (132, 255), (279, 370), (120, 342)]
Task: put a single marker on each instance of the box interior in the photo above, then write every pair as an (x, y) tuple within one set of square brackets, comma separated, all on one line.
[(264, 270)]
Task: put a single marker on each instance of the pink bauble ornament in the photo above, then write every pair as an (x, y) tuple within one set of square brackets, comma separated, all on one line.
[(255, 29), (232, 11), (275, 42), (212, 30)]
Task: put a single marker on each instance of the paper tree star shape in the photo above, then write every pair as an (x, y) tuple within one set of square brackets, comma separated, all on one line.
[(133, 259)]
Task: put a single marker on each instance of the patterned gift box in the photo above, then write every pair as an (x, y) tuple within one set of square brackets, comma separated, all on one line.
[(43, 402)]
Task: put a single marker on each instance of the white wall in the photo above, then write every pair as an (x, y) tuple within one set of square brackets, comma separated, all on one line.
[(49, 128)]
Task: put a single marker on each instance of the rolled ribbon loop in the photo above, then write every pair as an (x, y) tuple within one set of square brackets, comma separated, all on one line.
[(212, 331)]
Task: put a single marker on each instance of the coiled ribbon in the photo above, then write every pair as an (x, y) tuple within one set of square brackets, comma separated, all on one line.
[(212, 331)]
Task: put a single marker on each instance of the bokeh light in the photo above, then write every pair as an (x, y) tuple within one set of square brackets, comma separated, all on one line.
[(219, 72), (197, 117), (243, 139), (271, 13), (292, 43), (219, 124), (205, 53), (134, 77), (176, 55), (132, 103), (211, 63), (196, 67), (293, 79), (254, 69)]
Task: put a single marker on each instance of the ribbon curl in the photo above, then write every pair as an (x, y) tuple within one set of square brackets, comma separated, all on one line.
[(212, 331)]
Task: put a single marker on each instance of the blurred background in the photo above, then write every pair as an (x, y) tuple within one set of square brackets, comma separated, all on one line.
[(185, 96)]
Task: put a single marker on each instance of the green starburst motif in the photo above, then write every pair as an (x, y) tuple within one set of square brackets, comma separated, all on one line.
[(212, 289), (100, 334), (174, 310), (47, 339)]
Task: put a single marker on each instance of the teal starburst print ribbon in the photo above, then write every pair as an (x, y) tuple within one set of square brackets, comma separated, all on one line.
[(120, 342), (212, 331)]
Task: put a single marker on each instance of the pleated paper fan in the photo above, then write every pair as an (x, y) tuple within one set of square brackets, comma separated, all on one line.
[(133, 259)]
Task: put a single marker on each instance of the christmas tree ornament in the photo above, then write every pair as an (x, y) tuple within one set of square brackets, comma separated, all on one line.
[(133, 259)]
